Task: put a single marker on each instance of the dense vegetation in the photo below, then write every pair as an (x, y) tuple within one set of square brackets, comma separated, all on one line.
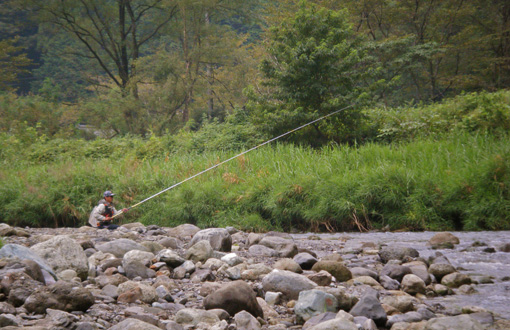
[(136, 95), (432, 167)]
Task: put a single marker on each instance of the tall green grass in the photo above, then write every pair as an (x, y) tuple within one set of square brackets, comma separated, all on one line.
[(459, 182)]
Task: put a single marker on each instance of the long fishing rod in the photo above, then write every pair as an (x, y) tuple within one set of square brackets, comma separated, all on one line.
[(232, 158)]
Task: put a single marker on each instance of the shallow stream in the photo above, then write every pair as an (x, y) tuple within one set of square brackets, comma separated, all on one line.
[(468, 257)]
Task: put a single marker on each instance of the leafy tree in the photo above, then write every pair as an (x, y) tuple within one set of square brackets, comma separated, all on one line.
[(112, 33), (310, 71), (12, 63)]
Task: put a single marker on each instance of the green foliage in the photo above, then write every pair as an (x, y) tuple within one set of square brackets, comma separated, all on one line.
[(476, 112), (310, 71), (12, 63)]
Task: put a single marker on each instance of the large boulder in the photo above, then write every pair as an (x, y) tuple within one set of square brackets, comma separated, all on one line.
[(335, 268), (119, 247), (29, 267), (219, 238), (288, 283), (23, 253), (234, 297), (455, 280), (443, 240), (441, 270), (61, 253), (413, 284), (64, 296), (286, 248), (305, 260), (135, 264), (396, 272), (18, 287)]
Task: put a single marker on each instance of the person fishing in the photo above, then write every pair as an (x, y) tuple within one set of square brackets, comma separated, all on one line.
[(101, 215)]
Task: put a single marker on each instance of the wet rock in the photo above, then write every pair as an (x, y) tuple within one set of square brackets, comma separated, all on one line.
[(335, 268), (388, 253), (305, 260), (218, 238), (234, 297), (440, 270), (288, 283), (455, 280), (65, 296), (443, 240), (314, 302)]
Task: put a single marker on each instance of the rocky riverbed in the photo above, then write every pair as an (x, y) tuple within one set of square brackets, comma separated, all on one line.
[(139, 277)]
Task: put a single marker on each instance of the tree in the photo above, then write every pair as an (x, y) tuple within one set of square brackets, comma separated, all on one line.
[(12, 63), (111, 33), (310, 71)]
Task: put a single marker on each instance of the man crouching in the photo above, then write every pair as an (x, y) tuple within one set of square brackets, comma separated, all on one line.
[(101, 215)]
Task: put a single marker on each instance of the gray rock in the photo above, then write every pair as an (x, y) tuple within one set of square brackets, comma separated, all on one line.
[(335, 324), (29, 267), (286, 248), (288, 283), (202, 275), (396, 272), (120, 247), (219, 238), (18, 287), (195, 316), (314, 302), (201, 251), (21, 252), (441, 270), (455, 280), (370, 307), (7, 320), (263, 251), (419, 268), (169, 242), (388, 283), (305, 260), (134, 324), (232, 259), (246, 321), (322, 278), (360, 271), (6, 308), (409, 317), (388, 253), (460, 322), (135, 264), (61, 318), (185, 231), (315, 320), (61, 253), (412, 284)]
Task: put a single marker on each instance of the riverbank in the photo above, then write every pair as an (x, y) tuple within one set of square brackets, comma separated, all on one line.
[(172, 278)]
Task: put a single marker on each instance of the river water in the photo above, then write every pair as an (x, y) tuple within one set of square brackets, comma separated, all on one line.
[(469, 257)]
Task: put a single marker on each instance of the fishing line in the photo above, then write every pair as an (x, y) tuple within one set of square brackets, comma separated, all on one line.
[(234, 157)]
